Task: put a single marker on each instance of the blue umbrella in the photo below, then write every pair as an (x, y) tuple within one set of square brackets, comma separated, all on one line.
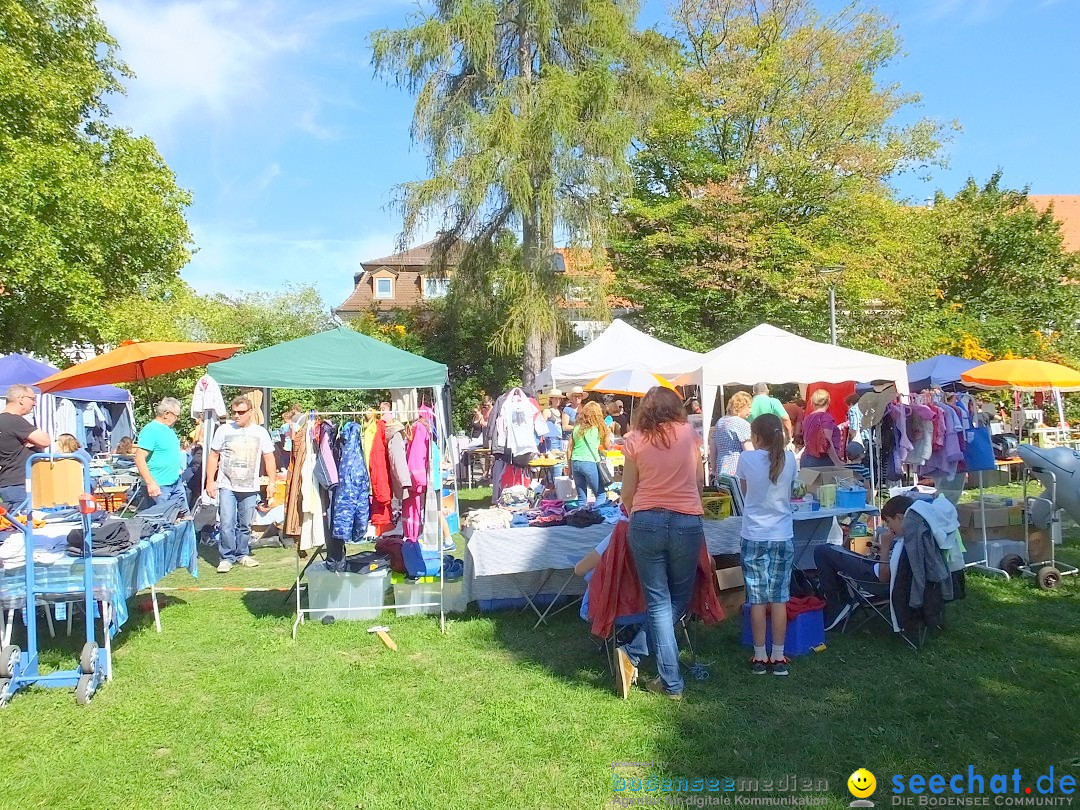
[(942, 371)]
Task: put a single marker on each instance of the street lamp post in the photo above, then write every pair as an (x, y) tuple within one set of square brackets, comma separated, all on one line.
[(828, 270)]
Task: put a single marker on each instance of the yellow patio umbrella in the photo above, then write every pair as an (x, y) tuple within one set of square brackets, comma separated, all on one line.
[(1023, 374), (629, 382)]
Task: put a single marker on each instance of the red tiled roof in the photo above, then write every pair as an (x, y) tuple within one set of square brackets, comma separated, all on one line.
[(1066, 211)]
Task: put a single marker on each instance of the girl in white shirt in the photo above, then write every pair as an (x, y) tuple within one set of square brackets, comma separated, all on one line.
[(766, 474)]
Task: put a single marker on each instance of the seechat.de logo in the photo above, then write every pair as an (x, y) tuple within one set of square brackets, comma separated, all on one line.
[(861, 784)]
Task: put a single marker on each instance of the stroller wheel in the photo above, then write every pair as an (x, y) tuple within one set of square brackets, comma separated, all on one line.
[(88, 658), (85, 689), (1049, 578)]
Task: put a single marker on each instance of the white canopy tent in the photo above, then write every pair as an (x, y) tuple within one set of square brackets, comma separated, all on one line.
[(771, 355), (620, 346)]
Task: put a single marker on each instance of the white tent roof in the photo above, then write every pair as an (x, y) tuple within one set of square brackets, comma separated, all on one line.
[(617, 347), (771, 355)]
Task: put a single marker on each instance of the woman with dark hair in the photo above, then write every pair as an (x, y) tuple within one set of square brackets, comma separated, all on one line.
[(662, 493)]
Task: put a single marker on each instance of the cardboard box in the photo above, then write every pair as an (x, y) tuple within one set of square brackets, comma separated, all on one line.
[(972, 534), (814, 477), (732, 587), (970, 515), (990, 478)]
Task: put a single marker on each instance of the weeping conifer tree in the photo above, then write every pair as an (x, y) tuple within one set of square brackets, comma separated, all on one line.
[(526, 109)]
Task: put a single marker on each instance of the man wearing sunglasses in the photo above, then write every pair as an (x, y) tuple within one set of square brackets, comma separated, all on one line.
[(158, 456), (232, 475), (18, 440)]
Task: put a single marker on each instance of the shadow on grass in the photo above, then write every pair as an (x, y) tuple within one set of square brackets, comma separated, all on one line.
[(270, 604), (994, 689), (57, 652)]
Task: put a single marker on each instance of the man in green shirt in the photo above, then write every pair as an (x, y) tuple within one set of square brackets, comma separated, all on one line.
[(158, 456), (763, 403)]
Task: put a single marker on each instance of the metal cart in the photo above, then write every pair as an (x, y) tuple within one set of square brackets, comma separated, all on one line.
[(1044, 514), (18, 669)]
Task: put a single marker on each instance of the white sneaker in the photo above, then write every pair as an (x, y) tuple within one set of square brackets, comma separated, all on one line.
[(248, 562), (224, 567)]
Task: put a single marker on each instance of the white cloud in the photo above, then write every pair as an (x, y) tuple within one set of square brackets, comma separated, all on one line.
[(220, 59)]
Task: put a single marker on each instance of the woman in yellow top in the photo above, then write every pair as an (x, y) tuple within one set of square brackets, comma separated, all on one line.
[(590, 436)]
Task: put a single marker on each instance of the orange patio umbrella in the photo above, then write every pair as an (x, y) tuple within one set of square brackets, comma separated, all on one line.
[(1023, 374), (136, 360)]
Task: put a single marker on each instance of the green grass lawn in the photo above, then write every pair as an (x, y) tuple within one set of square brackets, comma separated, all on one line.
[(224, 710)]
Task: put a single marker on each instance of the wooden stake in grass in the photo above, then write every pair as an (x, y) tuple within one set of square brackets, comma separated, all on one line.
[(384, 634)]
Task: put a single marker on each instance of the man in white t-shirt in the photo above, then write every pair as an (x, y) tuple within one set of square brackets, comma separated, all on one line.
[(232, 475)]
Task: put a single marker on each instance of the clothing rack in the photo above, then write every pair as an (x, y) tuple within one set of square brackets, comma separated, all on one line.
[(435, 480)]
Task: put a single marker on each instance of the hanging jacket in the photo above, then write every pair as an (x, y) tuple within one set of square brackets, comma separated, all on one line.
[(312, 505), (379, 472), (940, 516), (370, 427), (326, 467), (417, 455), (293, 501), (615, 589), (399, 465), (926, 559), (352, 504)]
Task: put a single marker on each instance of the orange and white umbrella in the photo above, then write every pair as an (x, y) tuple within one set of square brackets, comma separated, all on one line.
[(630, 382)]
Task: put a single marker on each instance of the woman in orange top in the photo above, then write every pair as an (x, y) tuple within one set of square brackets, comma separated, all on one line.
[(662, 493)]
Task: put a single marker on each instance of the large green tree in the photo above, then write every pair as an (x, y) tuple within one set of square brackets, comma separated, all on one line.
[(1006, 279), (526, 109), (773, 159), (88, 211)]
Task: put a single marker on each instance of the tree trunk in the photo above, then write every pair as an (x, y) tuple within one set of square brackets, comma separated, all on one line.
[(531, 364)]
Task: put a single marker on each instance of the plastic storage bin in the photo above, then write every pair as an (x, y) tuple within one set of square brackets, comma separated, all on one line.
[(409, 595), (331, 594), (850, 498), (805, 632)]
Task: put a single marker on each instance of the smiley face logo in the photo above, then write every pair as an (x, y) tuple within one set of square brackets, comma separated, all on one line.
[(861, 783)]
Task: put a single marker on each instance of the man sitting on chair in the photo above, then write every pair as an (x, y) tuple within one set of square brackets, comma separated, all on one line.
[(833, 560)]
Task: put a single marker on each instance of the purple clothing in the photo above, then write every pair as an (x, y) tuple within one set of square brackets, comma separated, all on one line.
[(813, 424)]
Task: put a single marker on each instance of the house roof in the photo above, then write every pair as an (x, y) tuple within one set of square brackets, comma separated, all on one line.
[(419, 256), (1066, 211)]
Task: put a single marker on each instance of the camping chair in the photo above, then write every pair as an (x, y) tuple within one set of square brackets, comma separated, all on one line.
[(620, 635), (874, 598)]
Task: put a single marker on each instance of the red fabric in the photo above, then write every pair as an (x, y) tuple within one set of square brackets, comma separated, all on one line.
[(798, 605), (838, 392), (615, 589), (379, 471), (515, 477)]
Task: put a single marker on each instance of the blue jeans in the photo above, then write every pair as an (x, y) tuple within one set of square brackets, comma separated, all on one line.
[(235, 513), (666, 545), (175, 491), (12, 496), (808, 461), (586, 476)]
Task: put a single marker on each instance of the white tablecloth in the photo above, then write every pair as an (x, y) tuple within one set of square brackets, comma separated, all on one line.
[(496, 557)]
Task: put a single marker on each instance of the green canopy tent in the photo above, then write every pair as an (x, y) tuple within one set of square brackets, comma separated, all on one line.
[(340, 359), (344, 360)]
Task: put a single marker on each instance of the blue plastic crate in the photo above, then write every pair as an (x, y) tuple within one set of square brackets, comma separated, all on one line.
[(804, 632), (850, 498)]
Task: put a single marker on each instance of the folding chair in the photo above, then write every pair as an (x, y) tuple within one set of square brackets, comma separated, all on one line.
[(609, 644), (872, 599)]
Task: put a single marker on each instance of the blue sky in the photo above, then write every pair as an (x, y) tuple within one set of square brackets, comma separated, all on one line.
[(269, 113)]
